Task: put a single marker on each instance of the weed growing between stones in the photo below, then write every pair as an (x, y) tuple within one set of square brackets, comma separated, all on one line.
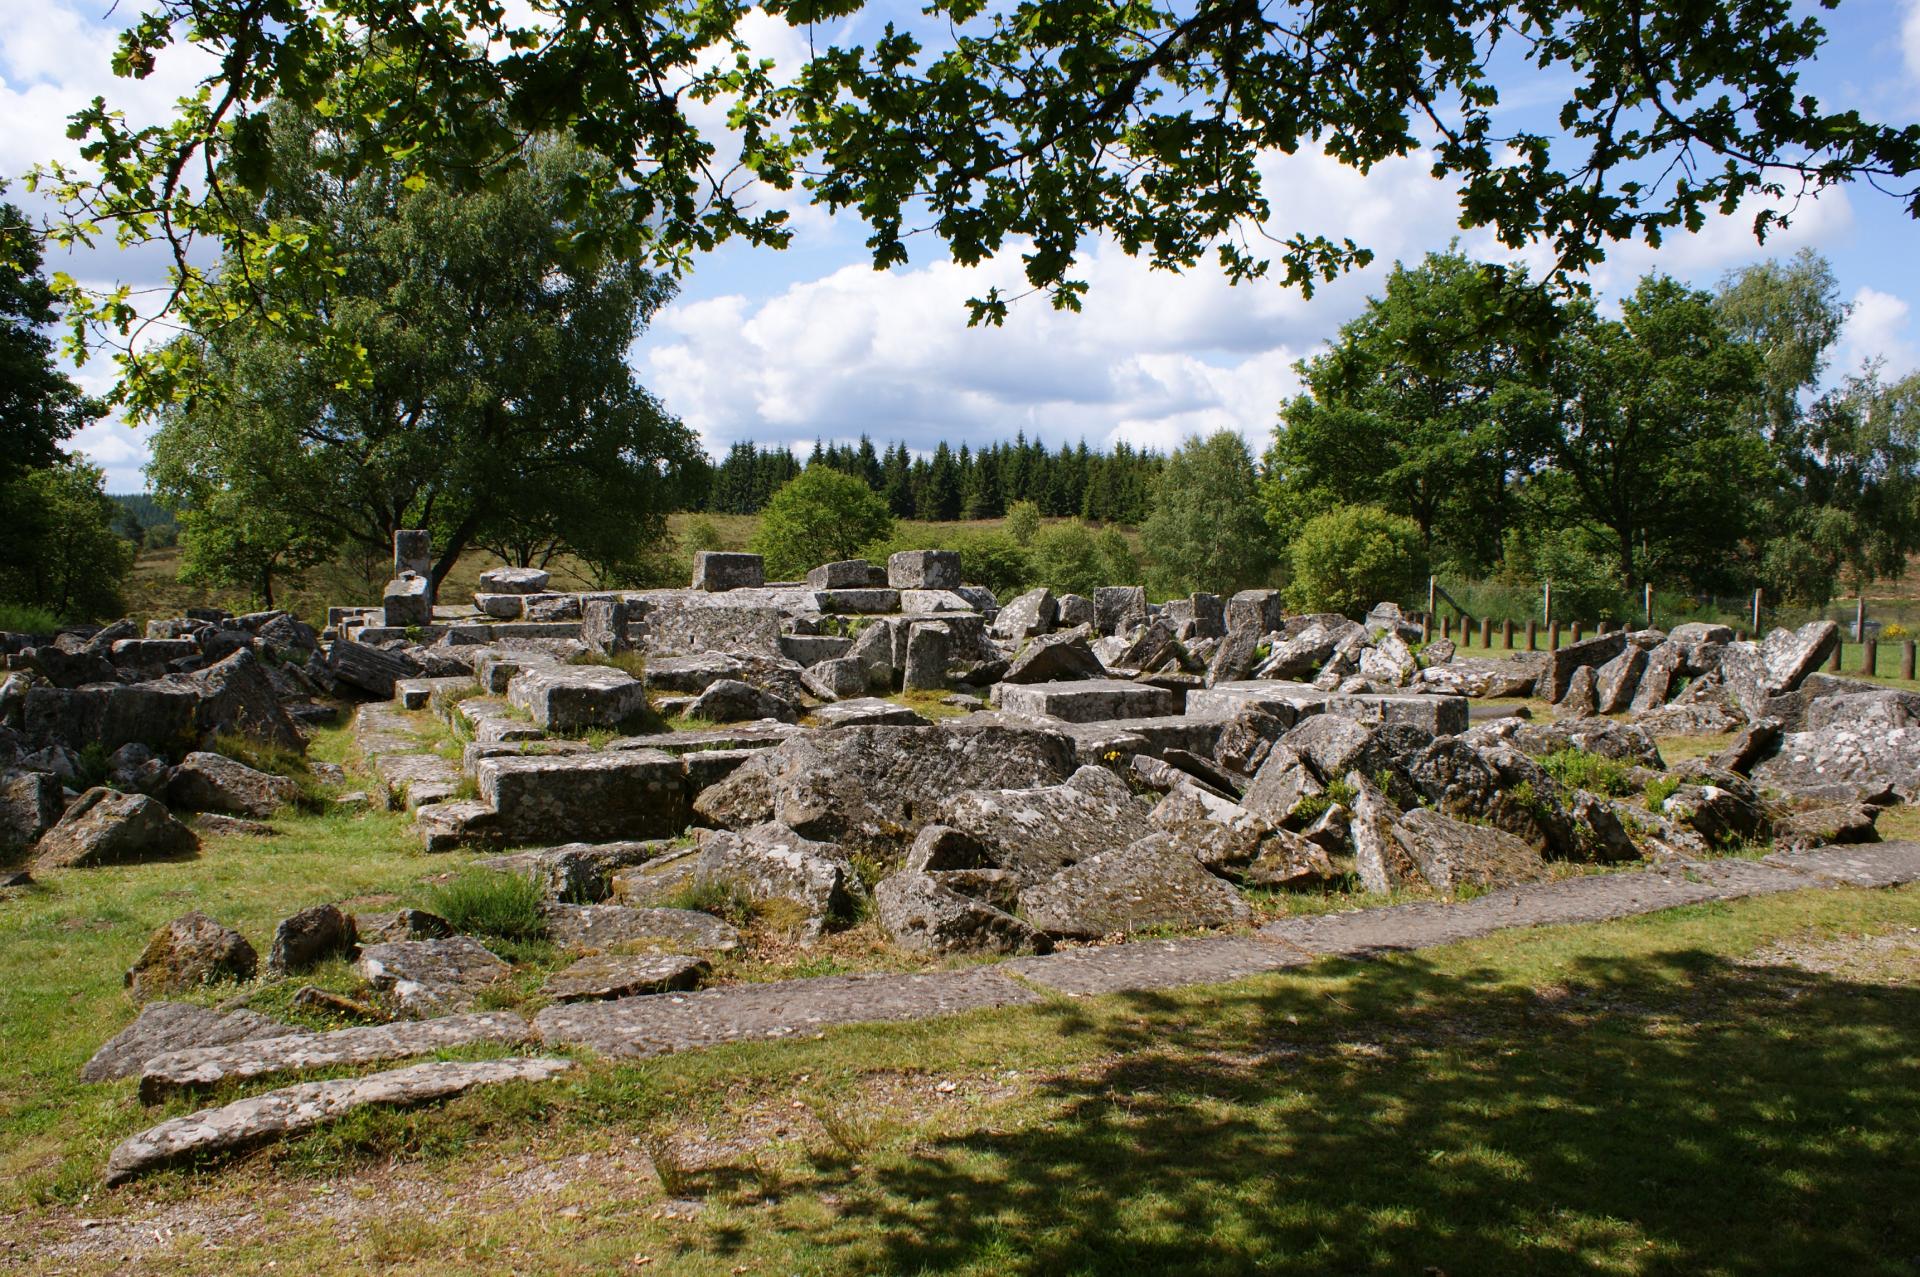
[(724, 899), (1577, 769), (634, 663), (1659, 789)]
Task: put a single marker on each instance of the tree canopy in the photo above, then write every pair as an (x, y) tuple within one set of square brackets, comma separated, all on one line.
[(495, 404), (1038, 124)]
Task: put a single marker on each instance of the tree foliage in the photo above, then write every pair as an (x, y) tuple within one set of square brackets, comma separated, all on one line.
[(58, 547), (1036, 125), (495, 404), (1205, 532), (820, 516), (1351, 557)]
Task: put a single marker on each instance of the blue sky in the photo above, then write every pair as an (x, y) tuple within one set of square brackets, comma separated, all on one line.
[(783, 347)]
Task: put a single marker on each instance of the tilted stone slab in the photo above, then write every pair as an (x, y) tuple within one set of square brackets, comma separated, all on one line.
[(293, 1109), (1884, 864), (604, 976), (868, 711), (163, 1028), (432, 975), (599, 797), (1086, 700), (671, 1022), (201, 1068), (574, 697)]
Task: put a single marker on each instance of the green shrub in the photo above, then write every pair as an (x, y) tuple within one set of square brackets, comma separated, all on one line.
[(483, 902), (1659, 789), (1350, 558), (24, 618), (1023, 522), (819, 516)]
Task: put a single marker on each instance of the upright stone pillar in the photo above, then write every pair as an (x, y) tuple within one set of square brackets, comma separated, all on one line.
[(603, 626), (413, 552)]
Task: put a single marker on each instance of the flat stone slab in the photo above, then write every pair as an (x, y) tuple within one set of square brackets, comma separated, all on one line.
[(206, 1067), (1289, 702), (868, 711), (1441, 715), (605, 976), (301, 1107), (598, 797), (162, 1028), (1087, 700), (1882, 864), (598, 926), (432, 975), (416, 780), (759, 1012)]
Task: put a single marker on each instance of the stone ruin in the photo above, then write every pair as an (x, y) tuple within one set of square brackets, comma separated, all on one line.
[(888, 741)]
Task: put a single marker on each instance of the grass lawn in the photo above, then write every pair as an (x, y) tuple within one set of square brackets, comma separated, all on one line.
[(1718, 1089)]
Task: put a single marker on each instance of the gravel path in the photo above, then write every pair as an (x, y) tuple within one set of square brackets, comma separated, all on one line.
[(664, 1023)]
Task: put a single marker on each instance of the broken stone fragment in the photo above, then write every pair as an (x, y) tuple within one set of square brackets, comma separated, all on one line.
[(191, 951), (106, 827)]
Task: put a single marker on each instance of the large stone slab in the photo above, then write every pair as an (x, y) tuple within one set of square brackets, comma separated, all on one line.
[(163, 1028), (214, 782), (577, 872), (689, 627), (926, 915), (293, 1109), (1149, 883), (1288, 702), (1055, 658), (1439, 715), (161, 716), (609, 926), (599, 797), (105, 827), (565, 698), (923, 570), (871, 788), (431, 977), (1562, 662), (1036, 832), (201, 1068), (514, 581), (1087, 700), (612, 975), (762, 1012)]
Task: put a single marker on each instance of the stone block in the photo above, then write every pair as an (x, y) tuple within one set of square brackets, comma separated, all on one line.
[(811, 649), (1119, 608), (847, 574), (1087, 700), (603, 626), (575, 697), (715, 571), (867, 601), (412, 552), (407, 601), (1441, 715), (695, 628), (596, 797), (924, 570), (501, 607), (1288, 702), (929, 650), (514, 581)]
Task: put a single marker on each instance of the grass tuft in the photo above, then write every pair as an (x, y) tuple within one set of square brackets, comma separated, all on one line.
[(483, 902), (1577, 769)]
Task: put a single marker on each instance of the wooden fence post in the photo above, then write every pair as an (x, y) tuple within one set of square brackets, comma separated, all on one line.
[(1906, 660), (1649, 592), (1533, 644), (1869, 656), (1553, 636), (1576, 634), (1833, 662), (1486, 632), (1446, 627), (1756, 611), (1506, 634)]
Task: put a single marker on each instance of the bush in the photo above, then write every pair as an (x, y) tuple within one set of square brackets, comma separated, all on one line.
[(483, 902), (1577, 769), (819, 516), (1071, 558), (1585, 585), (24, 618), (1023, 522), (995, 560), (1352, 557)]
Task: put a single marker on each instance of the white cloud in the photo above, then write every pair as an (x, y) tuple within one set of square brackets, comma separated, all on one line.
[(1878, 328), (1910, 37)]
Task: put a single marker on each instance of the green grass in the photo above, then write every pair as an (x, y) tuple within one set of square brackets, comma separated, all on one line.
[(1648, 1096), (1577, 769)]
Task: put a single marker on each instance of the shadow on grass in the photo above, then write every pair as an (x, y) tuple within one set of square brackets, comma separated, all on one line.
[(1674, 1114)]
